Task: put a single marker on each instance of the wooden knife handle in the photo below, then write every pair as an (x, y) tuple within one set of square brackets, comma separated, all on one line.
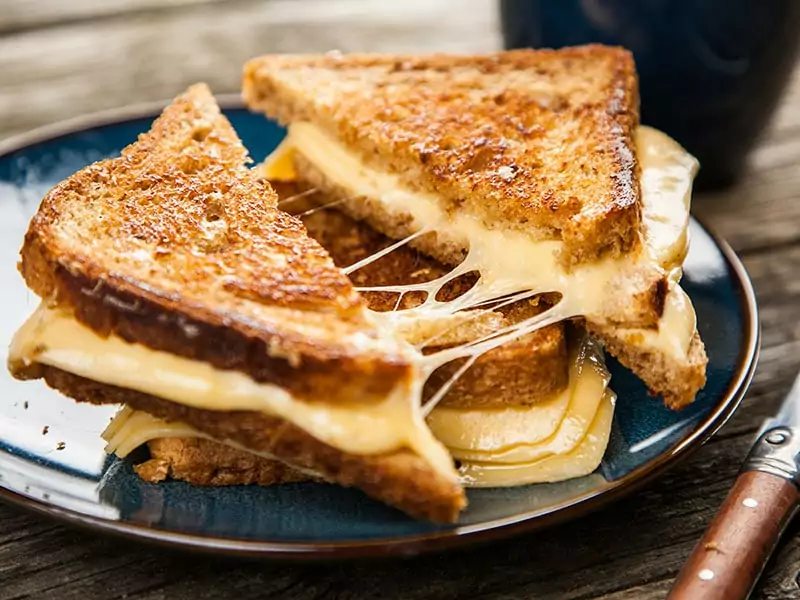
[(728, 560)]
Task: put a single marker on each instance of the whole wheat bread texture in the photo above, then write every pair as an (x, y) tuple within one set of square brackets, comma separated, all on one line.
[(559, 124), (537, 141), (177, 246), (204, 462)]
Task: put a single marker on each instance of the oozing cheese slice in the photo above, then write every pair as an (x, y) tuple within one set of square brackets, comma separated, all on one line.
[(53, 337), (130, 429), (587, 289), (507, 441), (517, 438), (580, 461), (497, 429), (279, 165)]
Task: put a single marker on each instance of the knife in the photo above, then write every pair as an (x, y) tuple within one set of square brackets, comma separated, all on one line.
[(727, 561)]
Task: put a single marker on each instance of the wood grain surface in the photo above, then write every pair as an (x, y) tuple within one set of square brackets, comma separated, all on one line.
[(62, 59)]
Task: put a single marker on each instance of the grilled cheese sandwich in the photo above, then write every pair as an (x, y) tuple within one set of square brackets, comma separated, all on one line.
[(462, 158), (253, 267)]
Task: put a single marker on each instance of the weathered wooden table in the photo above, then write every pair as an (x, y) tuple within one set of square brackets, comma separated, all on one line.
[(60, 59)]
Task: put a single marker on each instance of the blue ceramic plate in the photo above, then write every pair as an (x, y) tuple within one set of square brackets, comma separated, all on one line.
[(79, 484)]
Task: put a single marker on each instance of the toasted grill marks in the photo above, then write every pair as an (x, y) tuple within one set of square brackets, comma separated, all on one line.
[(401, 478), (147, 215), (660, 291), (559, 124), (178, 246)]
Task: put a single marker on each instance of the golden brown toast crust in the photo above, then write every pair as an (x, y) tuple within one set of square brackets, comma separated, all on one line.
[(676, 381), (522, 372), (401, 479), (178, 246), (541, 141), (204, 462)]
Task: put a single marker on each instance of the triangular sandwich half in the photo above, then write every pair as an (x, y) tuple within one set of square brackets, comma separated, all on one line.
[(531, 167), (171, 283)]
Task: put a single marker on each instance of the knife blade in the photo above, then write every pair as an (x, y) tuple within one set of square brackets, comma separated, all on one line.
[(729, 558)]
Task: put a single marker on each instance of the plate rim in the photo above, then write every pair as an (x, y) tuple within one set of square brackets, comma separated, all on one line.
[(467, 535)]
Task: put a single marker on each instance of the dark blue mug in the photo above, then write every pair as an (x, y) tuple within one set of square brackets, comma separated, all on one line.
[(711, 72)]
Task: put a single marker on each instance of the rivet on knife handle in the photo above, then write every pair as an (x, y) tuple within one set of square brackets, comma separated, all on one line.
[(727, 561), (776, 453)]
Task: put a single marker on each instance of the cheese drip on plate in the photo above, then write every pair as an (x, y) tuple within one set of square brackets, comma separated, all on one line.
[(515, 446)]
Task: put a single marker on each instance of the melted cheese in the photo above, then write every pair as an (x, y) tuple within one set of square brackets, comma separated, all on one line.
[(587, 289), (679, 318), (580, 461), (518, 437), (279, 166), (53, 337), (667, 171), (559, 440), (509, 441), (489, 430), (131, 428)]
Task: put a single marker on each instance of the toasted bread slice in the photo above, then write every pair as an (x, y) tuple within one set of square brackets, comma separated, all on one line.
[(539, 143), (399, 478), (175, 250), (204, 462), (559, 124), (175, 245)]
